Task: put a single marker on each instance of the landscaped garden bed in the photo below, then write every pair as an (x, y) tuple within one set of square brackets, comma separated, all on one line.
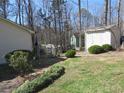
[(10, 79), (42, 81)]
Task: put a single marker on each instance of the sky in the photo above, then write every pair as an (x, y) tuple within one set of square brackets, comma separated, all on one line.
[(94, 6), (92, 3)]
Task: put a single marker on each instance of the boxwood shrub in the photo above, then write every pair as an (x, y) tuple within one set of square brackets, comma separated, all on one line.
[(107, 47), (8, 55), (96, 49), (42, 81), (70, 53), (19, 60)]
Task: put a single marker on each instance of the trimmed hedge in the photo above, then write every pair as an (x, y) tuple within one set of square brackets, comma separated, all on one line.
[(107, 47), (42, 81), (70, 53), (96, 49)]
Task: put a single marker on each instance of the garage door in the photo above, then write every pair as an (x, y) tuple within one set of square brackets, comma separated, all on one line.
[(97, 38)]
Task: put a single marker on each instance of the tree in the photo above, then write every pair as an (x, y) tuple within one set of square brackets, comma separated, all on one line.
[(80, 35), (4, 8), (106, 12), (55, 20), (110, 12), (18, 12), (119, 12), (30, 15)]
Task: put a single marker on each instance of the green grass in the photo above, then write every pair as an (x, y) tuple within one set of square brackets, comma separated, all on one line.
[(90, 75)]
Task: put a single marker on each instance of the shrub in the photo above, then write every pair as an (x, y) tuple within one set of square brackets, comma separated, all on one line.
[(95, 49), (107, 47), (70, 53), (19, 60), (30, 54), (42, 81)]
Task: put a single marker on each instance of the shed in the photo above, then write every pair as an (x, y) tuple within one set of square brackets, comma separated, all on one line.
[(102, 35), (75, 41), (13, 37)]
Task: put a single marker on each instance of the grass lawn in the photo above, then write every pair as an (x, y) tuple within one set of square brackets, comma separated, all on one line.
[(102, 73)]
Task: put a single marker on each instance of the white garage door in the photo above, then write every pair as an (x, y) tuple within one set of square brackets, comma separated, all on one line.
[(98, 38)]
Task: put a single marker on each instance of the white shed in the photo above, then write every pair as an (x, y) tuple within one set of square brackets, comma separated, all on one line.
[(13, 37), (102, 35)]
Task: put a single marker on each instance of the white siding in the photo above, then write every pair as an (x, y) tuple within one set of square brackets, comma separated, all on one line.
[(97, 38), (13, 38)]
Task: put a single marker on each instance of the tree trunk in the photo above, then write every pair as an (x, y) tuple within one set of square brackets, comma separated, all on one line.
[(119, 14), (80, 36), (110, 15), (4, 9), (106, 12)]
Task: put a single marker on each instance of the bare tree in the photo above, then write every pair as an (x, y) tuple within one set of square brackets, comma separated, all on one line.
[(4, 8), (106, 12), (119, 12), (110, 12), (80, 35), (18, 12), (30, 15)]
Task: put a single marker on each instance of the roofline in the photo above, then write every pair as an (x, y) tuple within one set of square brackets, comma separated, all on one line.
[(102, 28), (24, 28)]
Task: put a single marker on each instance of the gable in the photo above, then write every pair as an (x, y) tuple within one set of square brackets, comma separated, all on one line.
[(99, 32), (11, 24), (101, 29)]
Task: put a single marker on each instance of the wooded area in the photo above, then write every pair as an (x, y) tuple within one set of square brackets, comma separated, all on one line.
[(54, 21)]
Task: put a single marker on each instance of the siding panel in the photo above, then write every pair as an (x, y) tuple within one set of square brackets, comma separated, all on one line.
[(13, 38)]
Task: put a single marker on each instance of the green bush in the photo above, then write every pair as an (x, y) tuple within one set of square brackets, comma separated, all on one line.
[(107, 47), (42, 81), (96, 49), (70, 53), (19, 60), (30, 54)]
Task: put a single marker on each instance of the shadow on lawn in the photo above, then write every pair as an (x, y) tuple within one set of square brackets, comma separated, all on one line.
[(7, 73)]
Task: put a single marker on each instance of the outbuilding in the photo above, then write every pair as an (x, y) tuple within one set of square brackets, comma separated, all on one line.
[(75, 41), (13, 37), (102, 35)]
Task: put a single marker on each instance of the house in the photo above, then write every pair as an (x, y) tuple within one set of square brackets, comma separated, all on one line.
[(75, 40), (102, 35), (13, 37)]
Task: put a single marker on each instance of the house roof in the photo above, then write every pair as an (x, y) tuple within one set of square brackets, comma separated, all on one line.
[(22, 27), (102, 28)]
